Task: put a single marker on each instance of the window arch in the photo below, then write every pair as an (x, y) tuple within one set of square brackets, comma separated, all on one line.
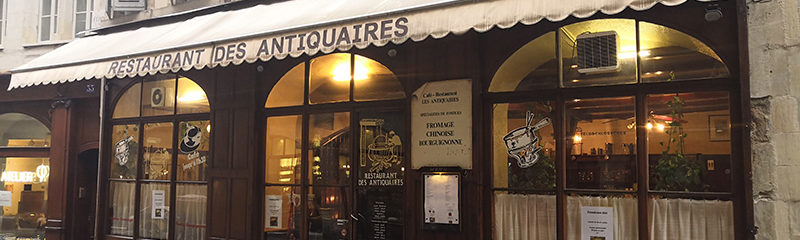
[(312, 113), (159, 150), (25, 174), (598, 140)]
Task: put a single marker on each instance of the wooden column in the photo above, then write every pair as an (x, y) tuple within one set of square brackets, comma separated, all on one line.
[(60, 115)]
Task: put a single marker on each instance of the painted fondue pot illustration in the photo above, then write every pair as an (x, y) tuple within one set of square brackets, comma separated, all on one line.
[(523, 144)]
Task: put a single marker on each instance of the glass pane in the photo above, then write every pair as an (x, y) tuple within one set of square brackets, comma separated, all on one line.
[(533, 66), (190, 211), (524, 216), (283, 214), (283, 149), (80, 22), (329, 79), (524, 146), (25, 181), (329, 214), (123, 197), (128, 104), (381, 210), (689, 144), (154, 211), (601, 143), (670, 55), (373, 81), (158, 97), (157, 158), (690, 219), (620, 211), (126, 151), (381, 161), (46, 7), (288, 91), (191, 97), (20, 130), (80, 5), (193, 150), (330, 147), (618, 68), (44, 29)]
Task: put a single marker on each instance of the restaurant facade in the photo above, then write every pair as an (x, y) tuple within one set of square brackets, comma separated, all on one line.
[(421, 119)]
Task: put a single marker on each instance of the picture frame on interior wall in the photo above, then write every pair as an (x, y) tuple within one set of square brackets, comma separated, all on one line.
[(719, 128)]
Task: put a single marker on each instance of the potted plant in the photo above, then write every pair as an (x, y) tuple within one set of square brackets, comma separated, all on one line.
[(674, 171)]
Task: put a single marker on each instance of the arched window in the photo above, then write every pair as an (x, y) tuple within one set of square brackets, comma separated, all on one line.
[(159, 150), (310, 154), (25, 167), (597, 138)]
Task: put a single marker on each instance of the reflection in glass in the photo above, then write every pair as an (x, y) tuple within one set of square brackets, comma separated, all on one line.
[(26, 180), (154, 211), (191, 97), (625, 30), (373, 81), (329, 145), (601, 144), (190, 211), (20, 130), (623, 207), (158, 97), (157, 158), (121, 211), (689, 142), (284, 135), (533, 66), (128, 104), (282, 212), (329, 78), (288, 91), (328, 216), (193, 150), (670, 55), (524, 146), (125, 142)]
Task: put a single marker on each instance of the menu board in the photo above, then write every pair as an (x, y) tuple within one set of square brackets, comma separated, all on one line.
[(441, 199)]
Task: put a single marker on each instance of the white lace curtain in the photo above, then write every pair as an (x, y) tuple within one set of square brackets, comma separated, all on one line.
[(533, 217), (190, 211), (122, 200)]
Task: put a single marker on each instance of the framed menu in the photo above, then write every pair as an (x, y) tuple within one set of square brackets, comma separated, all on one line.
[(441, 199)]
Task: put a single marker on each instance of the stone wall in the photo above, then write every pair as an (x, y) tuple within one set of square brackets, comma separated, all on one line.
[(774, 48)]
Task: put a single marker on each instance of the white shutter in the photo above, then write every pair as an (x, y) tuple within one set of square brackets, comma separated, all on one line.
[(128, 5)]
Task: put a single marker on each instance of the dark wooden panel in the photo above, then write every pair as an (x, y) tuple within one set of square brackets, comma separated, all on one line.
[(243, 145), (222, 138), (59, 155), (241, 210), (218, 207)]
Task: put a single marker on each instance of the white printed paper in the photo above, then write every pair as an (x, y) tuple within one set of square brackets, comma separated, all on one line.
[(158, 204), (441, 199), (597, 223), (274, 204), (5, 198)]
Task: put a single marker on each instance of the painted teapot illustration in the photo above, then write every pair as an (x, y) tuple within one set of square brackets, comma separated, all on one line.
[(523, 144)]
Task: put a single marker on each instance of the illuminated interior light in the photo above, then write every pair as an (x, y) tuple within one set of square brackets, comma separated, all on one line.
[(289, 172), (341, 73), (208, 128), (660, 127), (577, 139), (649, 126), (658, 57), (575, 80), (644, 53), (574, 66), (192, 96), (659, 72), (576, 100), (285, 179)]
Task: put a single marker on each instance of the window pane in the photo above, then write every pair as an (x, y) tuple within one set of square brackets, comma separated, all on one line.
[(44, 29), (621, 209), (283, 214), (289, 90), (154, 211), (157, 158), (381, 155), (190, 211), (689, 142), (373, 81), (329, 212), (193, 150), (123, 196), (534, 66), (128, 104), (46, 7), (524, 216), (590, 74), (601, 143), (20, 130), (125, 139), (524, 146), (25, 180), (330, 147), (329, 79), (80, 5), (191, 97), (283, 149), (80, 22), (382, 210), (158, 97), (670, 55)]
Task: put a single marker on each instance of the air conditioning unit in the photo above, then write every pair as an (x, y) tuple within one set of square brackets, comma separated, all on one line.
[(157, 95), (597, 52)]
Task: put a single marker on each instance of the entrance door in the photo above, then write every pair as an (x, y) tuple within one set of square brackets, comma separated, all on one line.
[(83, 205), (380, 165)]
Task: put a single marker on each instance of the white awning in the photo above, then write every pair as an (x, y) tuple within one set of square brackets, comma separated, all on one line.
[(291, 28)]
